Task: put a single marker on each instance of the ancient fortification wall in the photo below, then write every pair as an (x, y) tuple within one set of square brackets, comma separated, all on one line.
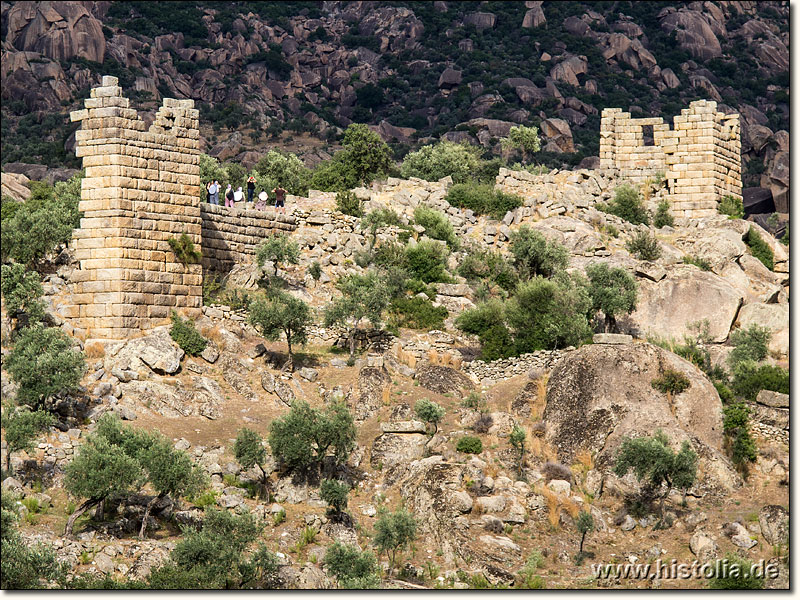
[(700, 156), (141, 188)]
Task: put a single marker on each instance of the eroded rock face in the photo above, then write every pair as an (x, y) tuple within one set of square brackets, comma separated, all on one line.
[(684, 297), (774, 523), (588, 409), (155, 352), (59, 30), (693, 33), (442, 380), (370, 389)]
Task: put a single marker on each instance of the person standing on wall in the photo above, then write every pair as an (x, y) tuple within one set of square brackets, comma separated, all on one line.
[(251, 188), (213, 192), (229, 196), (238, 196), (280, 199), (208, 191), (262, 200)]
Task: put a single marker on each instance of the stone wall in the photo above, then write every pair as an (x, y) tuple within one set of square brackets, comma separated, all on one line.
[(141, 189), (699, 157), (231, 235)]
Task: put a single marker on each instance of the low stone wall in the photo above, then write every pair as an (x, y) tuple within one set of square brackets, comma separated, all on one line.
[(506, 368)]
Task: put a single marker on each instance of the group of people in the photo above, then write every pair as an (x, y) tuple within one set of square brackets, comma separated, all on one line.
[(232, 197)]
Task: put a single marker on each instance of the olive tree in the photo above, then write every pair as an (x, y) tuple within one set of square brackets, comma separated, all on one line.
[(517, 439), (21, 427), (655, 463), (282, 314), (22, 292), (335, 492), (535, 255), (43, 363), (584, 523), (393, 532), (523, 138), (363, 297), (249, 452), (430, 412), (278, 249), (613, 291)]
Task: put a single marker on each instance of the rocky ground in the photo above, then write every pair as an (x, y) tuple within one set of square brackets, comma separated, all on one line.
[(476, 516)]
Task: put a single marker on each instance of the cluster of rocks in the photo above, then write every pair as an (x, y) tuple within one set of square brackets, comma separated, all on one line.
[(487, 373)]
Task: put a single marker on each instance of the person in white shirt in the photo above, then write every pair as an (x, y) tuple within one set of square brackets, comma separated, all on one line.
[(262, 200), (238, 195)]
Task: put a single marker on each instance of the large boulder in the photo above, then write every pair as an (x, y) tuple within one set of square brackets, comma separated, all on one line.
[(774, 523), (600, 394), (693, 33), (442, 380), (686, 296), (371, 387), (155, 352), (15, 186), (558, 135), (774, 317)]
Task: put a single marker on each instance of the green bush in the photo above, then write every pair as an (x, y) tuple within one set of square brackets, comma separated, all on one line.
[(305, 436), (349, 204), (394, 531), (285, 170), (42, 223), (186, 336), (282, 314), (737, 576), (702, 263), (416, 313), (278, 249), (627, 204), (437, 226), (759, 248), (536, 255), (427, 261), (731, 206), (750, 378), (315, 270), (43, 363), (481, 264), (21, 426), (663, 217), (488, 322), (612, 290), (433, 162), (749, 344), (334, 492), (22, 292), (352, 568), (470, 444), (644, 246), (525, 139), (671, 382), (429, 412), (183, 249), (482, 199)]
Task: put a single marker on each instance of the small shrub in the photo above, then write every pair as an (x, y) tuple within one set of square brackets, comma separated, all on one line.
[(536, 255), (671, 382), (436, 225), (427, 261), (482, 199), (482, 264), (554, 470), (349, 204), (749, 344), (702, 263), (750, 378), (429, 412), (279, 517), (731, 206), (315, 270), (759, 248), (186, 336), (738, 578), (433, 162), (483, 424), (204, 500), (22, 292), (335, 493), (663, 217), (184, 250), (470, 444), (627, 204), (417, 313), (644, 246)]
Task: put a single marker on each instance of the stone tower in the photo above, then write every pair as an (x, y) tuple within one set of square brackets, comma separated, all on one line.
[(141, 189), (700, 157)]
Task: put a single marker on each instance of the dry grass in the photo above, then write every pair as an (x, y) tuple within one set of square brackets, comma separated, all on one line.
[(585, 458), (537, 408)]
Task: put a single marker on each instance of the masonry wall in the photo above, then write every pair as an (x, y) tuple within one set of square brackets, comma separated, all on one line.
[(699, 157), (141, 189)]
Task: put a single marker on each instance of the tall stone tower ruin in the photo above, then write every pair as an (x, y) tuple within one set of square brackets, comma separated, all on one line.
[(141, 189), (700, 156)]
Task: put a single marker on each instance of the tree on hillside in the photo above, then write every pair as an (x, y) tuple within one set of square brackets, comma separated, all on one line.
[(249, 452), (584, 523), (366, 153), (433, 162), (517, 439), (613, 291), (278, 248), (22, 292), (99, 471), (22, 426), (523, 138), (353, 569), (393, 532), (655, 463), (536, 255), (305, 436), (335, 492), (286, 170), (430, 412), (363, 297), (43, 363), (283, 313)]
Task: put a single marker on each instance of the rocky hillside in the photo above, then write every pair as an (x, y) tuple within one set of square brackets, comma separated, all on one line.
[(266, 72)]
